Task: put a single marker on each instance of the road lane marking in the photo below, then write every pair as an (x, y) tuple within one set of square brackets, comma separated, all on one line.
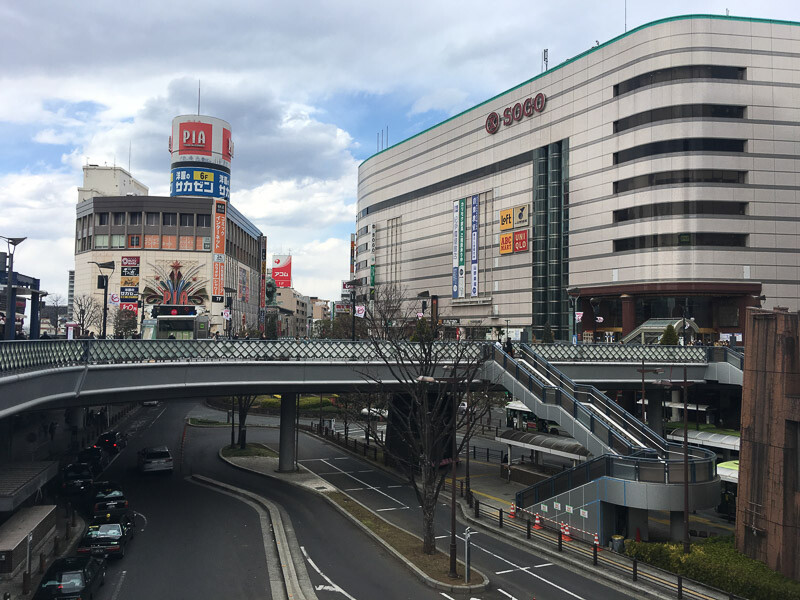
[(119, 586), (365, 484), (334, 587), (446, 596), (511, 571), (393, 508), (543, 565), (506, 594)]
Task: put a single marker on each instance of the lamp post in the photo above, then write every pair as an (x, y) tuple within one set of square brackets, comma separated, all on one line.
[(595, 302), (11, 292), (507, 320), (645, 405), (572, 294), (229, 291), (104, 280)]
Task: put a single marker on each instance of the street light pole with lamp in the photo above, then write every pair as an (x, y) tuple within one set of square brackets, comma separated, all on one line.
[(11, 292), (572, 294), (595, 302), (103, 279)]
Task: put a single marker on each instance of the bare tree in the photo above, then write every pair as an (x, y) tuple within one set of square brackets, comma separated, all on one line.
[(87, 312), (54, 312), (428, 381), (244, 404), (124, 322)]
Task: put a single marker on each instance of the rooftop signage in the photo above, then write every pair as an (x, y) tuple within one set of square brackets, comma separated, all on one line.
[(526, 108)]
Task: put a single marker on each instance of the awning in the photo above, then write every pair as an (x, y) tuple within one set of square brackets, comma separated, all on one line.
[(517, 405), (549, 444), (707, 438), (20, 481)]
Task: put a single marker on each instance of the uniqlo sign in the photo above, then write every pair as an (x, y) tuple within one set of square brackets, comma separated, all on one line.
[(195, 138), (521, 241)]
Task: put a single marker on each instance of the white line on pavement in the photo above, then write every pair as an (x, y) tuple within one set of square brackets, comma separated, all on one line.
[(393, 508), (505, 593), (365, 484), (446, 596), (511, 571), (335, 588), (119, 586), (543, 565)]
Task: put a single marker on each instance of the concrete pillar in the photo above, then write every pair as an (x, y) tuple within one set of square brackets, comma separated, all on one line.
[(676, 526), (286, 458), (628, 314), (676, 412), (655, 414)]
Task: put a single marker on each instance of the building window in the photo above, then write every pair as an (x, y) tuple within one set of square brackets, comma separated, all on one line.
[(362, 248), (169, 242), (187, 220), (135, 218), (119, 218), (134, 241), (679, 145), (673, 209), (101, 241), (101, 218), (727, 177), (681, 111), (677, 74), (169, 219), (118, 240), (672, 240), (152, 219), (204, 220), (364, 230)]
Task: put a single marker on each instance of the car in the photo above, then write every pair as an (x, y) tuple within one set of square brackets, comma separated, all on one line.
[(108, 499), (108, 535), (77, 479), (155, 458), (150, 403), (72, 578), (112, 441), (96, 457)]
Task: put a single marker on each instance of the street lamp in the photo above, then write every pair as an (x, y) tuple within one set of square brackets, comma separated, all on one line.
[(645, 404), (572, 294), (595, 302), (11, 291), (102, 281), (229, 305), (507, 320)]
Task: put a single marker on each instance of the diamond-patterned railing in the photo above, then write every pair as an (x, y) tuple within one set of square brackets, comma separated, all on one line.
[(621, 353)]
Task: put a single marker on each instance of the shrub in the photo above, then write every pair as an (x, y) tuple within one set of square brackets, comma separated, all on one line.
[(669, 337)]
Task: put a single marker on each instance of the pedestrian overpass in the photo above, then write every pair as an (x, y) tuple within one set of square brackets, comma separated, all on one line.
[(633, 468)]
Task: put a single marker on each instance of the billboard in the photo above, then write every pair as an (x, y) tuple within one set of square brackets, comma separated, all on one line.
[(474, 247), (198, 181), (129, 283), (200, 138), (282, 270), (218, 264), (506, 243), (455, 249), (521, 241), (244, 285)]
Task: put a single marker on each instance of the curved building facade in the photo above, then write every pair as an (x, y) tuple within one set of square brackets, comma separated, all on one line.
[(653, 176)]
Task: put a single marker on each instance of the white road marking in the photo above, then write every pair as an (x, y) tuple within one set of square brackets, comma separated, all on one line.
[(354, 489), (393, 508), (334, 587), (366, 485), (543, 565), (506, 594), (325, 588), (138, 514), (390, 487), (511, 571), (446, 596), (119, 586), (441, 537)]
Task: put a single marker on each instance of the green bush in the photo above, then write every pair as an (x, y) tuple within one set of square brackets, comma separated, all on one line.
[(669, 337), (717, 563)]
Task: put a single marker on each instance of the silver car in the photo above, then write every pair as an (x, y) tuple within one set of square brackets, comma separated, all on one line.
[(155, 458)]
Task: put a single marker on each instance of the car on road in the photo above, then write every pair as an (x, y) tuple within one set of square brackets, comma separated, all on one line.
[(72, 578), (76, 480), (108, 499), (150, 403), (112, 441), (96, 457), (155, 458), (108, 535)]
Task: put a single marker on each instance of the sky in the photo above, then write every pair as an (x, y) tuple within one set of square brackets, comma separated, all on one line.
[(307, 88)]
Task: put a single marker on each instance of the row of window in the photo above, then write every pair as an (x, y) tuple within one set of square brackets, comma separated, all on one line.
[(672, 240), (677, 74), (679, 112), (673, 209), (148, 242), (724, 176), (153, 219), (679, 145)]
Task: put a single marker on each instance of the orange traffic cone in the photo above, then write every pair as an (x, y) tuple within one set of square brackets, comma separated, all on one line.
[(513, 512), (566, 537), (597, 542), (537, 524)]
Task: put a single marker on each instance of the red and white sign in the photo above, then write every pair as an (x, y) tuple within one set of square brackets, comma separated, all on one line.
[(218, 262), (131, 306), (227, 144), (130, 261), (521, 241), (361, 311), (282, 270), (347, 286), (579, 317), (194, 138), (113, 299)]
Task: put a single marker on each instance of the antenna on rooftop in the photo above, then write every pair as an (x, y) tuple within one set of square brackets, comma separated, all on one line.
[(544, 60), (198, 96)]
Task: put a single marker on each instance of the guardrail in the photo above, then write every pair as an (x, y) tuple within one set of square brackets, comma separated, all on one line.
[(621, 353)]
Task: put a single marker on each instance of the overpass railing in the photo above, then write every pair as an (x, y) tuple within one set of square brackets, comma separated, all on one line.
[(622, 353), (21, 356)]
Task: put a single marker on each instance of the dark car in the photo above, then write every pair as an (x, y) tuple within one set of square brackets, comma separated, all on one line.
[(76, 480), (108, 535), (94, 456), (108, 499), (72, 578), (112, 441)]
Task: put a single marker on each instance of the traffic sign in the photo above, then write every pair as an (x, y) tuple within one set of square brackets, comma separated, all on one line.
[(226, 314)]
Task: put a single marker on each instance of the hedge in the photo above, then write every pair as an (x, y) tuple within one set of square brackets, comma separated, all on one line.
[(717, 563)]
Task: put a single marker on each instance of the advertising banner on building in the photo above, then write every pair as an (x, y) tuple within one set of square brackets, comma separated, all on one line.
[(198, 181), (506, 243), (244, 285), (352, 254), (455, 249), (462, 247), (128, 294), (521, 241), (218, 266), (129, 283), (521, 216), (262, 288), (506, 219), (129, 261), (282, 270), (475, 212)]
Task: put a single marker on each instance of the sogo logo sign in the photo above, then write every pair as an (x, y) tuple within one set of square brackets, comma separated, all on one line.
[(527, 108)]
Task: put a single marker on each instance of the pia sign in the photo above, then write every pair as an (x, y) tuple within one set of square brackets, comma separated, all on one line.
[(526, 108)]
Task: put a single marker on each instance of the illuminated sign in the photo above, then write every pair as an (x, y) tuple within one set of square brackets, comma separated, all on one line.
[(527, 108), (282, 270)]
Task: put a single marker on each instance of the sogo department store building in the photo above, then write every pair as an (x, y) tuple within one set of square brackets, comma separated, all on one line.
[(654, 172)]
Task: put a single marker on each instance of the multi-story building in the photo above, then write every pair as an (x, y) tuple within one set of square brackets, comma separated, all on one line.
[(299, 325), (192, 248), (654, 175)]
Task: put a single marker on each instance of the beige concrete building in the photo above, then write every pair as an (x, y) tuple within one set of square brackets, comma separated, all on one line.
[(652, 175)]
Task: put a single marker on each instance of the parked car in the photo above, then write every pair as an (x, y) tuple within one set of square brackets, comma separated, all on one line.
[(108, 499), (108, 535), (112, 441), (96, 457), (76, 480), (156, 458), (73, 577)]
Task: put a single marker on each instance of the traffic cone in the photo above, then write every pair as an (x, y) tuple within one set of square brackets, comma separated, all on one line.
[(537, 524), (513, 512), (566, 537), (597, 542)]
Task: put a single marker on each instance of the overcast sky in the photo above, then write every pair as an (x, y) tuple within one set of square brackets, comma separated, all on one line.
[(305, 86)]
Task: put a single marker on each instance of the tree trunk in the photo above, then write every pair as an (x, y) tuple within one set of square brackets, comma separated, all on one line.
[(428, 534)]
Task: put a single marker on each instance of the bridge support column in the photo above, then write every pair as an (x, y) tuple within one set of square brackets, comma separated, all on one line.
[(286, 450), (655, 412), (676, 412), (637, 524), (676, 526)]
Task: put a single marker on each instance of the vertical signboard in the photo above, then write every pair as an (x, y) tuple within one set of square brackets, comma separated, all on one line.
[(352, 254), (262, 287), (218, 264), (129, 283), (462, 247), (474, 248), (455, 249), (282, 270)]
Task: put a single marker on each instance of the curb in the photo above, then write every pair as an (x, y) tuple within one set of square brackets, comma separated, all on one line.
[(424, 578)]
